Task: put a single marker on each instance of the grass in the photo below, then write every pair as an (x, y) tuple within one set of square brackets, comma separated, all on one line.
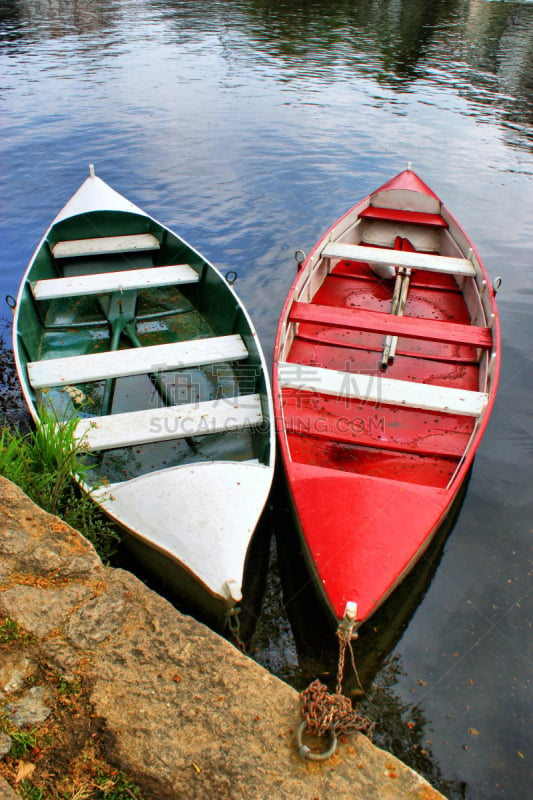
[(23, 741), (42, 462), (103, 785)]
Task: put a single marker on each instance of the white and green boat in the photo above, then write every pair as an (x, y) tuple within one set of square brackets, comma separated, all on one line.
[(120, 320)]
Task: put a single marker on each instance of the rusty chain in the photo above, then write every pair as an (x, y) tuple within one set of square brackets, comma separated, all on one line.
[(333, 714)]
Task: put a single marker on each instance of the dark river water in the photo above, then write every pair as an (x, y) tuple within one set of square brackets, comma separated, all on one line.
[(249, 127)]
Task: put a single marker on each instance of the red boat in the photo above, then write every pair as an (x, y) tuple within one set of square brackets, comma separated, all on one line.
[(385, 373)]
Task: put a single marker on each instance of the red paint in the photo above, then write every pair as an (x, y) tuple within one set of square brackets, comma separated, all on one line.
[(370, 484), (406, 217), (374, 321)]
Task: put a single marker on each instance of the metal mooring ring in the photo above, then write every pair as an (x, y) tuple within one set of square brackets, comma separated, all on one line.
[(231, 277), (305, 752), (10, 300)]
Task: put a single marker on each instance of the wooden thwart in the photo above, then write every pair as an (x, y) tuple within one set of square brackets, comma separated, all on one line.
[(388, 391), (135, 361), (399, 258), (121, 280), (105, 245), (174, 422), (379, 322)]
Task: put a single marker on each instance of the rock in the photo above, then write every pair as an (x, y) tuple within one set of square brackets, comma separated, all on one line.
[(177, 707), (40, 610), (30, 708), (6, 743), (98, 618), (6, 792), (13, 670)]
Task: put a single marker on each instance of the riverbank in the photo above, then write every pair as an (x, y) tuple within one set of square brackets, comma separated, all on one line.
[(103, 680)]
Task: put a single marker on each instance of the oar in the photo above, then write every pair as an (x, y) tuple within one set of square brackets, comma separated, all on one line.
[(399, 313), (395, 300), (158, 382), (121, 316), (394, 307), (406, 246), (120, 311), (156, 379)]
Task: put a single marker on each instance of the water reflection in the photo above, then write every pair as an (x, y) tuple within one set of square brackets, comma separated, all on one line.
[(482, 50), (29, 19)]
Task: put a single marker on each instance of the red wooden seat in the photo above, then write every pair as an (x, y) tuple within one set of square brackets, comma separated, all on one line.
[(398, 215), (389, 324)]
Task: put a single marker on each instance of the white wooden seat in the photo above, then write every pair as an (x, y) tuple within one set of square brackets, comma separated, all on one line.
[(174, 422), (379, 390), (105, 245), (122, 280), (400, 258), (135, 361)]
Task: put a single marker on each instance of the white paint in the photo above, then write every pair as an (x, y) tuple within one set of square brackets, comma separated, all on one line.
[(402, 258), (105, 245), (387, 391), (121, 280), (202, 514), (173, 422), (95, 195), (135, 361)]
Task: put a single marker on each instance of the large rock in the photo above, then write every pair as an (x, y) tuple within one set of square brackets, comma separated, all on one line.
[(182, 711)]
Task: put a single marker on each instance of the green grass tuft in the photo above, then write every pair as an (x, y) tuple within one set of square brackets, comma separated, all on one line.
[(43, 463)]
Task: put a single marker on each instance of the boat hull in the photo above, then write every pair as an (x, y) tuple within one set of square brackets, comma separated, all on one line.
[(386, 367), (122, 324)]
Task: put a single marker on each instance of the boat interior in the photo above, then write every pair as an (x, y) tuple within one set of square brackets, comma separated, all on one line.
[(386, 366), (123, 323)]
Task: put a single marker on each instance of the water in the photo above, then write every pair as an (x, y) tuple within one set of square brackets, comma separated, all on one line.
[(248, 127)]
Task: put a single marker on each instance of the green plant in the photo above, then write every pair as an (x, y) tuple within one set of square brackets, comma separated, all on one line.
[(68, 688), (43, 463), (54, 456), (12, 457), (23, 741), (30, 792), (114, 785)]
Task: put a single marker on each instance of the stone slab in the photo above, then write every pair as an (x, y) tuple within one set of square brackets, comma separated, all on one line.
[(183, 712)]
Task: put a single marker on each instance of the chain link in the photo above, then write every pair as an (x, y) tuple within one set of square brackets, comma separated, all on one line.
[(234, 625), (324, 712)]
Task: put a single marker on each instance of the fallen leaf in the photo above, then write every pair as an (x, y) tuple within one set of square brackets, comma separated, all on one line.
[(24, 770), (473, 731)]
